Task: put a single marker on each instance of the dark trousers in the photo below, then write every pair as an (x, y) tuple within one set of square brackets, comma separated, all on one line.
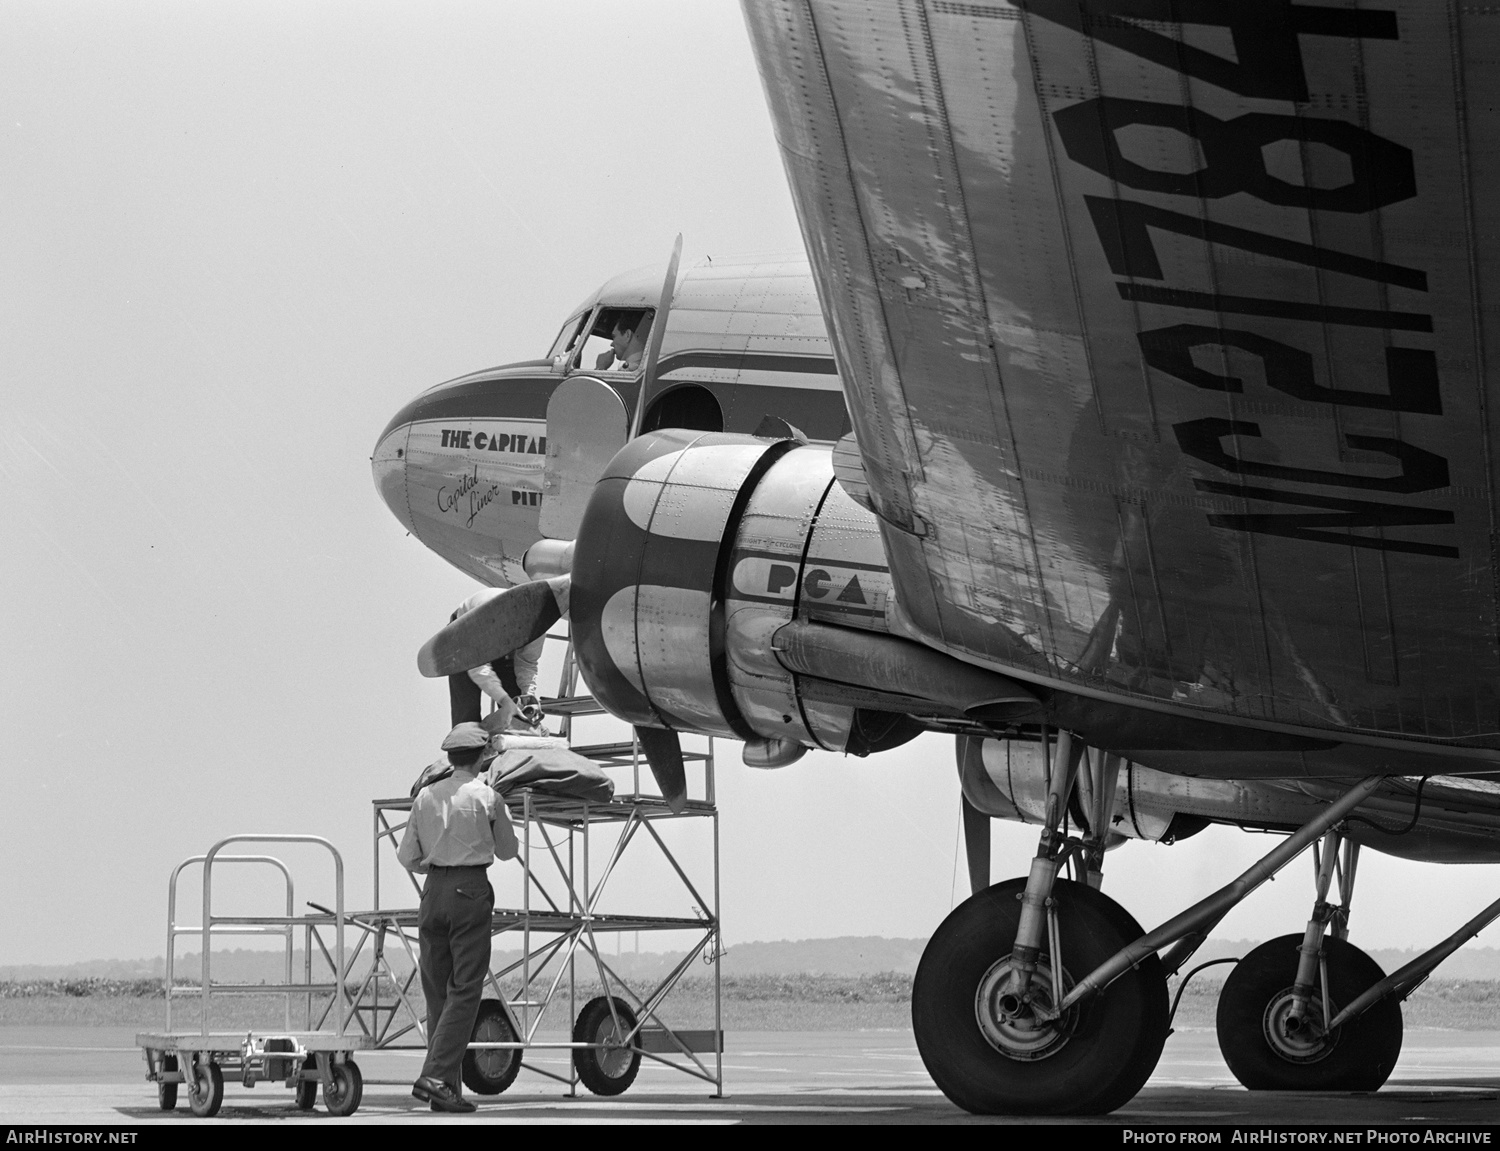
[(464, 697), (454, 926)]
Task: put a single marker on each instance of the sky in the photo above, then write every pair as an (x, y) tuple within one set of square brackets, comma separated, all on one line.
[(236, 239)]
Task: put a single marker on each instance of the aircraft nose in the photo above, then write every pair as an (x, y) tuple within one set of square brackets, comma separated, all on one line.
[(388, 463), (460, 466)]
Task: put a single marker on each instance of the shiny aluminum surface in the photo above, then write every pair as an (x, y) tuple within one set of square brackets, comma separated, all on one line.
[(1458, 820), (1168, 345), (461, 465), (765, 564)]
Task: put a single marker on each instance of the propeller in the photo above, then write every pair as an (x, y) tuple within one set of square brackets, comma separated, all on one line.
[(976, 846), (587, 425), (977, 792), (653, 341), (512, 619), (664, 753), (776, 428)]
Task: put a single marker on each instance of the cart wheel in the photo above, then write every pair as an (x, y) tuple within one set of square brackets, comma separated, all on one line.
[(306, 1093), (205, 1087), (166, 1093), (611, 1069), (491, 1072), (348, 1088)]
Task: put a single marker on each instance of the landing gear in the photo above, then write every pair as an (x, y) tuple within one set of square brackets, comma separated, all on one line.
[(1272, 1045), (993, 1052), (1001, 1020), (1279, 1021), (1042, 996)]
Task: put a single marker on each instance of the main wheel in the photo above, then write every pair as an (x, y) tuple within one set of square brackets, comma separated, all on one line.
[(611, 1069), (1269, 1050), (491, 1071), (205, 1087), (306, 1092), (990, 1055), (342, 1095), (166, 1093)]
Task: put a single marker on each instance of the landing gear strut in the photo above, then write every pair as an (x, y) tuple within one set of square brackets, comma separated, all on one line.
[(987, 1002), (1043, 996), (1273, 1043), (992, 1052), (1278, 1007)]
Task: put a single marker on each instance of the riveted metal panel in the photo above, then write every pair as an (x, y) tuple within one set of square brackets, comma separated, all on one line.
[(1166, 331)]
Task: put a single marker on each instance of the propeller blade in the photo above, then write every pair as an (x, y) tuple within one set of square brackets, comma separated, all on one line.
[(664, 753), (586, 425), (513, 618), (776, 428), (653, 341), (977, 846)]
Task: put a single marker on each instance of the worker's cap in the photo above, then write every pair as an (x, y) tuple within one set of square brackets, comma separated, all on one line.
[(466, 735)]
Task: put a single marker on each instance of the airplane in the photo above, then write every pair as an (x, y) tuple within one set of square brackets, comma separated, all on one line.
[(1167, 490), (461, 464)]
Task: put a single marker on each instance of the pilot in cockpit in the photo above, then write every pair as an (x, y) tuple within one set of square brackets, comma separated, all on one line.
[(627, 341)]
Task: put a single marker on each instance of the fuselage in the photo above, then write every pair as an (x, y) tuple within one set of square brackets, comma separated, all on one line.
[(461, 464)]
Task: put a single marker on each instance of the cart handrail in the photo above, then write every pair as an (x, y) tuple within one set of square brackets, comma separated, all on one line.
[(208, 918), (173, 931)]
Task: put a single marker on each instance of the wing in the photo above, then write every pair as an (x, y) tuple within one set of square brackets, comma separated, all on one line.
[(1165, 344)]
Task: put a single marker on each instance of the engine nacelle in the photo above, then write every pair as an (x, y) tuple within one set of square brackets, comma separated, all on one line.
[(694, 550), (1007, 779)]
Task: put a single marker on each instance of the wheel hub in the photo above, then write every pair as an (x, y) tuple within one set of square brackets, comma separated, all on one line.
[(1009, 1022), (614, 1059), (493, 1061), (1297, 1038)]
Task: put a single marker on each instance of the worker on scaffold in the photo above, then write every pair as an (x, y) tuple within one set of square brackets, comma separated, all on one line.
[(509, 679)]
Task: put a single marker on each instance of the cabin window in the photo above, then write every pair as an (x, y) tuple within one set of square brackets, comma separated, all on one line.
[(690, 406), (616, 341)]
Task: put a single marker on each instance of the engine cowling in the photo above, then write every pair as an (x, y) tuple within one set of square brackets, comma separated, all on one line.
[(694, 550), (1008, 779)]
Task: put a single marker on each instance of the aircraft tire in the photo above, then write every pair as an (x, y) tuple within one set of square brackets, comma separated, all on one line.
[(1098, 1058), (1265, 1056), (607, 1071), (491, 1071)]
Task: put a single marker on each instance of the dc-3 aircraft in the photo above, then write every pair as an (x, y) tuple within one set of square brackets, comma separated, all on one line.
[(1164, 329)]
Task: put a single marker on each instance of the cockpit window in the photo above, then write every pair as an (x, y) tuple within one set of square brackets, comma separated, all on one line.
[(616, 341), (568, 338)]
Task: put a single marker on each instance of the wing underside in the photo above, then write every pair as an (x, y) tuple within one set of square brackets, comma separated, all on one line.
[(1164, 327)]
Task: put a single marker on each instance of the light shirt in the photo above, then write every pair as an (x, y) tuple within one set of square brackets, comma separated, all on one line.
[(527, 658), (456, 822)]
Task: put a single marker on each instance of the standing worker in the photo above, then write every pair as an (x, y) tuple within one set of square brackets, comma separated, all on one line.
[(509, 679), (458, 826)]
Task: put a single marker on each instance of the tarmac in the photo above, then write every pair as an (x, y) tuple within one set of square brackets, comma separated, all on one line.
[(95, 1076)]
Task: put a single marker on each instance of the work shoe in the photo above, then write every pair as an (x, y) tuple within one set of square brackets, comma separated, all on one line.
[(441, 1096)]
